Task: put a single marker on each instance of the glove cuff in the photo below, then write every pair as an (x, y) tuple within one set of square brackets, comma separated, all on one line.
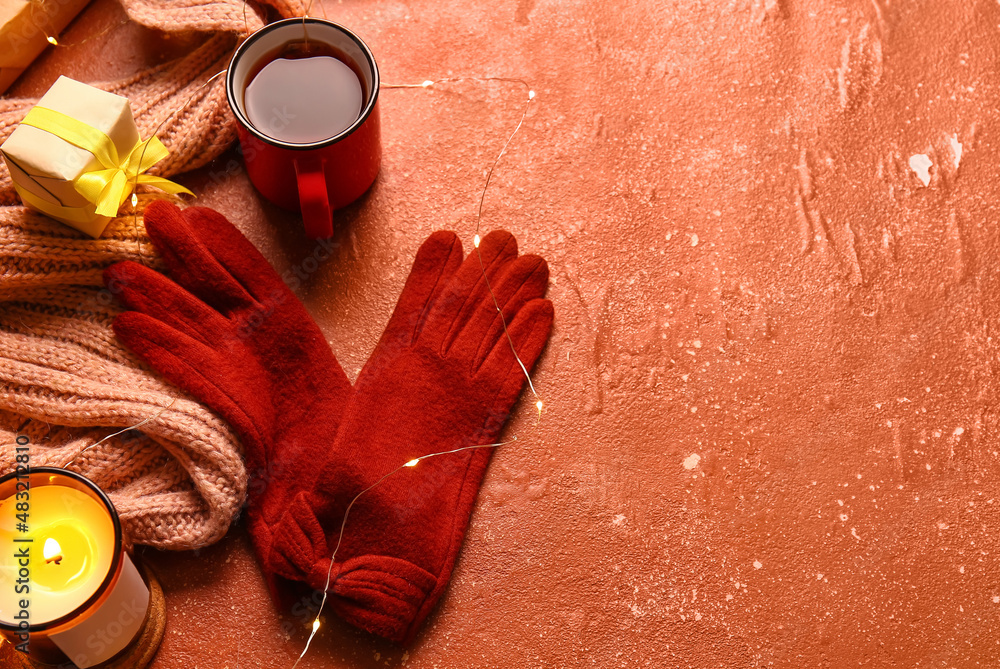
[(380, 594), (383, 595)]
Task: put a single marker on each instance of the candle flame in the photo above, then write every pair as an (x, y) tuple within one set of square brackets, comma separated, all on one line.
[(52, 551)]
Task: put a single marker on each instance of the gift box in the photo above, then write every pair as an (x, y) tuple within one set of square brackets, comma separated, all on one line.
[(25, 26), (77, 156)]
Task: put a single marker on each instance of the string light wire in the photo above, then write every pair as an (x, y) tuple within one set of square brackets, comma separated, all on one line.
[(115, 434), (52, 39), (135, 198), (476, 241), (343, 524), (479, 218), (539, 404)]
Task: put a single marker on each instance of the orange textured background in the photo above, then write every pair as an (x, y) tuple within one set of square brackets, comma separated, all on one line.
[(771, 391)]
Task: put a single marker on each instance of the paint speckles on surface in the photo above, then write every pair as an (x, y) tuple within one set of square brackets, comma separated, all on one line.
[(863, 280), (757, 564), (691, 461), (956, 150), (921, 165)]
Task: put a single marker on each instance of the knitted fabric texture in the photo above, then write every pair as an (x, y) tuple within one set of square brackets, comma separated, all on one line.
[(203, 126), (177, 480)]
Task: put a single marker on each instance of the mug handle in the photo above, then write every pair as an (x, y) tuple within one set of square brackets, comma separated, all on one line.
[(313, 197)]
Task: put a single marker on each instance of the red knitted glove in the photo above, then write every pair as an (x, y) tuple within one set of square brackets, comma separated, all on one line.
[(230, 332), (442, 377)]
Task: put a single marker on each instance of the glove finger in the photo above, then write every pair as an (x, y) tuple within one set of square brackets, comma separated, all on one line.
[(143, 289), (190, 365), (190, 262), (523, 280), (456, 301), (438, 259), (245, 264), (234, 252), (529, 331)]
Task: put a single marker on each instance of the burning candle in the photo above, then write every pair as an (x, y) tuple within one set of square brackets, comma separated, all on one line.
[(68, 591)]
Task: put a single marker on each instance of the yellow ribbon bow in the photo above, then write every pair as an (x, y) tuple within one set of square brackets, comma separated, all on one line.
[(108, 188)]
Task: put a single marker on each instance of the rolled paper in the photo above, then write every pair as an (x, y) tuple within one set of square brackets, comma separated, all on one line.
[(77, 156), (25, 26)]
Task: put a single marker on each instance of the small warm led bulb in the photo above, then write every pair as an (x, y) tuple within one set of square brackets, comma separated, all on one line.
[(539, 405), (427, 83), (315, 624), (412, 463), (531, 95), (135, 199), (475, 241), (52, 40)]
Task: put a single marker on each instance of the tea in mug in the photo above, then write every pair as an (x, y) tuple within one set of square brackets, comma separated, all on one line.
[(304, 92)]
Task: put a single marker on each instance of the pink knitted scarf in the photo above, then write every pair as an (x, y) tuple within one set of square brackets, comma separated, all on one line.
[(178, 479)]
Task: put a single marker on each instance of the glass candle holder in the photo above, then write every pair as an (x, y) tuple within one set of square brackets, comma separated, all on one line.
[(68, 590)]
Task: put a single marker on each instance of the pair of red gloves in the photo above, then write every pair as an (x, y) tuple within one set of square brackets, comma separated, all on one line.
[(225, 328)]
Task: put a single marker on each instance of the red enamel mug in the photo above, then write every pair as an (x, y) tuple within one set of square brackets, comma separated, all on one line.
[(314, 177)]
